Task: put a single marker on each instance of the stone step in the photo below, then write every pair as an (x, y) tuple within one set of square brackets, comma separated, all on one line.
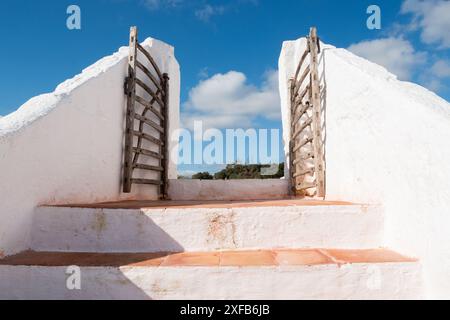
[(264, 274), (205, 226)]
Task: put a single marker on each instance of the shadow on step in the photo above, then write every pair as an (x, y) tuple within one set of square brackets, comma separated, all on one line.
[(101, 230), (111, 276)]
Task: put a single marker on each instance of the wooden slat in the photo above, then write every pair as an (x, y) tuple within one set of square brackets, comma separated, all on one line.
[(291, 181), (307, 156), (304, 92), (149, 57), (150, 92), (149, 106), (149, 74), (302, 59), (302, 144), (305, 186), (131, 93), (300, 82), (299, 113), (147, 181), (141, 130), (150, 122), (148, 167), (319, 162), (165, 147), (304, 172), (306, 124), (148, 137), (299, 99), (148, 153)]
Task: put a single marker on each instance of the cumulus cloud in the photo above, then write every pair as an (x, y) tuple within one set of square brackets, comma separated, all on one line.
[(441, 69), (229, 101), (435, 77), (395, 54), (432, 17)]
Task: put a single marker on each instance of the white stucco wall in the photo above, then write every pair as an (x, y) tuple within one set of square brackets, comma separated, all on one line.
[(66, 146), (387, 141)]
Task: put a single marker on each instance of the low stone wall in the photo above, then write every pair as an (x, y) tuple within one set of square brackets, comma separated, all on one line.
[(228, 189)]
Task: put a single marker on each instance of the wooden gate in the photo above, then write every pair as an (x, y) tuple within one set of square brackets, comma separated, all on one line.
[(307, 161), (146, 135)]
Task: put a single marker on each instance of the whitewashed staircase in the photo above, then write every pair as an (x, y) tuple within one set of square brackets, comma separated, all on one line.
[(273, 249)]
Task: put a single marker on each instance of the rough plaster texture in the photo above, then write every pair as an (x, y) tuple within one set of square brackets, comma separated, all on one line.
[(228, 189), (206, 229), (362, 281), (66, 146), (387, 142)]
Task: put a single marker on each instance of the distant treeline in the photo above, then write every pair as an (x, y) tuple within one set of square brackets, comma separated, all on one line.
[(240, 171)]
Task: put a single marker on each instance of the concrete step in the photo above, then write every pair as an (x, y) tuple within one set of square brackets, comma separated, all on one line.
[(205, 226), (266, 274)]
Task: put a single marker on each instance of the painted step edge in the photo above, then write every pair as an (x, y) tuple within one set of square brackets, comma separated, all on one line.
[(229, 258), (206, 229)]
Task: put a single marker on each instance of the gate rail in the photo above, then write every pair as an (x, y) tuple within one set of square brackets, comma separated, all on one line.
[(137, 123), (307, 161)]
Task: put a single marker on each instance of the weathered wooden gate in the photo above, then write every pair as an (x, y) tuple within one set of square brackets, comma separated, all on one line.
[(146, 135), (307, 161)]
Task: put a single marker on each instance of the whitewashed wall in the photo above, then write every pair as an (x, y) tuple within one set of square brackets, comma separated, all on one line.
[(66, 146), (387, 142)]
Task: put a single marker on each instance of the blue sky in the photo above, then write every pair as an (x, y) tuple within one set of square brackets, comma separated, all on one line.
[(233, 42)]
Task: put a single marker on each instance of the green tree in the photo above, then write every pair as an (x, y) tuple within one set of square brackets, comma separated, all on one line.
[(251, 171), (202, 176)]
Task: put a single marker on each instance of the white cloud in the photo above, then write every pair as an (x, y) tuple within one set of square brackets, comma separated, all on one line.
[(441, 69), (395, 54), (228, 101), (206, 12), (433, 18), (434, 77)]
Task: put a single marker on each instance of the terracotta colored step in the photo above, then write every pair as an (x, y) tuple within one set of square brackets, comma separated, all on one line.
[(221, 275), (207, 259)]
